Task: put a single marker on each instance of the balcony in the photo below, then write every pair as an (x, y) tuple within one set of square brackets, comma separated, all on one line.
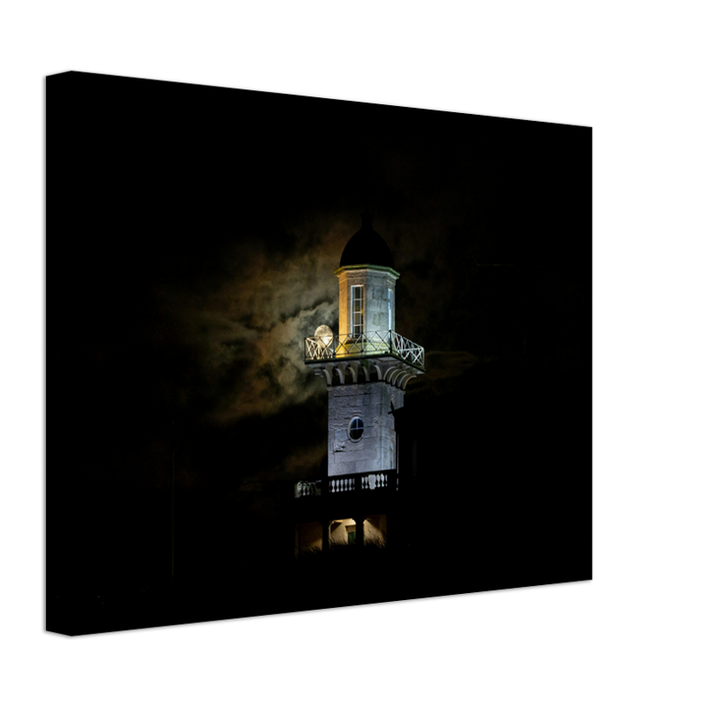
[(349, 484), (373, 343)]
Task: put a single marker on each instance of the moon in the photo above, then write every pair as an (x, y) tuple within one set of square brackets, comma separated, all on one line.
[(325, 333)]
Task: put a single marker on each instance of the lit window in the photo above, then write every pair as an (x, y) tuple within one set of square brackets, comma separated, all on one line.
[(356, 429), (390, 305), (356, 310)]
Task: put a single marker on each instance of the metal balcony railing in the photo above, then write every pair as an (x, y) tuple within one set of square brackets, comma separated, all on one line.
[(372, 343)]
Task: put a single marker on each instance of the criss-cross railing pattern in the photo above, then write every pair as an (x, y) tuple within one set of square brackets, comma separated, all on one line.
[(324, 348)]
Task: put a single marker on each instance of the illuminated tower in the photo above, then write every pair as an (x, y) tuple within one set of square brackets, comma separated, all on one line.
[(366, 366)]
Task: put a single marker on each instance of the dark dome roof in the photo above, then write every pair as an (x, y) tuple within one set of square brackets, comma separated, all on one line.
[(367, 248)]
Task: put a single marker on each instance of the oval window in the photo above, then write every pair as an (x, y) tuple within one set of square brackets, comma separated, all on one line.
[(356, 429)]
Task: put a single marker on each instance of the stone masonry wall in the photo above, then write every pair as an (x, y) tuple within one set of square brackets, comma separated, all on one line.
[(375, 450), (376, 284)]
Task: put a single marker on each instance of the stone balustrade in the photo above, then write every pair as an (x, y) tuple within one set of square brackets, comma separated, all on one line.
[(352, 483)]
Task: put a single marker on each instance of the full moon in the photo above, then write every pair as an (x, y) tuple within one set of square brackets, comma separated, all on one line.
[(325, 333)]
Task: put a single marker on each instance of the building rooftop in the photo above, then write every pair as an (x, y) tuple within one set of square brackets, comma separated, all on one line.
[(367, 247)]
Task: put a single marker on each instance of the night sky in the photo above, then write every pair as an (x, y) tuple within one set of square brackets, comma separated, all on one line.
[(192, 235)]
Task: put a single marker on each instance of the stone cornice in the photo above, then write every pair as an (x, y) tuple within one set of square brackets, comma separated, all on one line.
[(380, 268)]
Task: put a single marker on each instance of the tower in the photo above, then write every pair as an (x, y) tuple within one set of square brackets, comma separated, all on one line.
[(366, 368)]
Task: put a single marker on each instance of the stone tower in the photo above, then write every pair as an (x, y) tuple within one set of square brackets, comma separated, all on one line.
[(366, 366)]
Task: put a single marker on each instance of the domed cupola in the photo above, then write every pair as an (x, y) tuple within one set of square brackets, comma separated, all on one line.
[(367, 247)]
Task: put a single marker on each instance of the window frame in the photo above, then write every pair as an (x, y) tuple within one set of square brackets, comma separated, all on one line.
[(357, 328), (390, 308), (351, 429)]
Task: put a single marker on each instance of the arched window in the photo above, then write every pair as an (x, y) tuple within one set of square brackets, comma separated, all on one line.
[(356, 429)]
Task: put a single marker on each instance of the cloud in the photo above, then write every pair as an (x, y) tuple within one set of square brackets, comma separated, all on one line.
[(243, 328)]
